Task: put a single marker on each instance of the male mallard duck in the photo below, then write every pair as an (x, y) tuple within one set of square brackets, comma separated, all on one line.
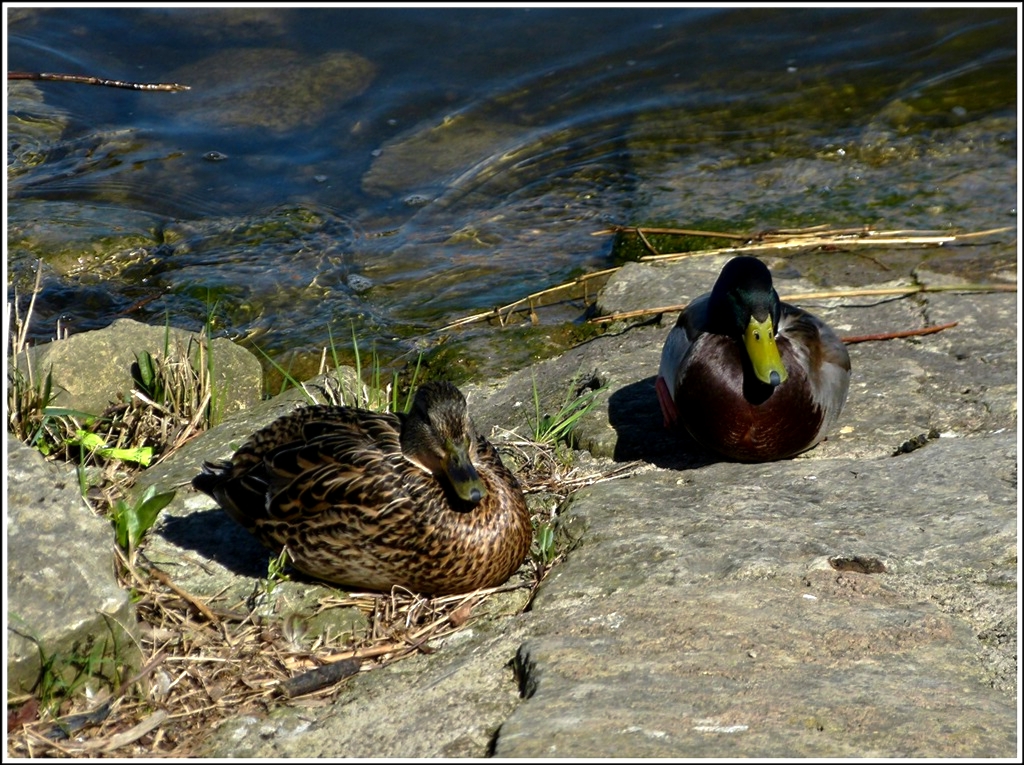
[(749, 376), (374, 500)]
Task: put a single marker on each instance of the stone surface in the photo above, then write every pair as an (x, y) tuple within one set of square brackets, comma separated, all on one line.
[(273, 89), (703, 613), (412, 163), (960, 382), (62, 596)]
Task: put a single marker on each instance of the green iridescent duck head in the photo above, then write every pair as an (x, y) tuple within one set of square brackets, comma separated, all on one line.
[(745, 306)]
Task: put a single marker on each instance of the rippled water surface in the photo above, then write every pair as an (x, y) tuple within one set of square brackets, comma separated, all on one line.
[(397, 169)]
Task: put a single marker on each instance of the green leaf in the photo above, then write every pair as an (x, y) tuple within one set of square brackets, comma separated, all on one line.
[(48, 387), (546, 542), (149, 509), (140, 454), (90, 441), (131, 522), (120, 513), (147, 370)]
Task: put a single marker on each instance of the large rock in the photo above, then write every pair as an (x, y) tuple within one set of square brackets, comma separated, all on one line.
[(796, 609), (449, 704), (270, 89), (63, 600), (962, 381), (91, 370)]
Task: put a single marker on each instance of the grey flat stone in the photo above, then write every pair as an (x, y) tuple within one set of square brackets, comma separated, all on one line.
[(62, 596), (701, 617)]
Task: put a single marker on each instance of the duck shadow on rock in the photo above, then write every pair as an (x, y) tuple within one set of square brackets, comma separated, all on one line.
[(634, 413), (213, 535)]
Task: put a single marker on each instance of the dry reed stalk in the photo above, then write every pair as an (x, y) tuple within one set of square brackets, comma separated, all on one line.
[(533, 301), (806, 238)]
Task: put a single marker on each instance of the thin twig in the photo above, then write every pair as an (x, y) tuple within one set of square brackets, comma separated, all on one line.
[(127, 737), (813, 237), (528, 304), (640, 231), (165, 580), (82, 79), (893, 335)]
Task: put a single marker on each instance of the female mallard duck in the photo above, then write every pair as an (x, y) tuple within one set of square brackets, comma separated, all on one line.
[(751, 377), (375, 500)]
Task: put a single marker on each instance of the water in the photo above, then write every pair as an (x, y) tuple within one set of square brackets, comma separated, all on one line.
[(394, 170)]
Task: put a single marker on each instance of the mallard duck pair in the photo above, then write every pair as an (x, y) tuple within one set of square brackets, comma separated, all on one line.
[(421, 501), (748, 376), (373, 500)]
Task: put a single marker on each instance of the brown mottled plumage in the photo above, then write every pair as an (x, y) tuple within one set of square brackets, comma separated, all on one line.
[(373, 500), (751, 377)]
